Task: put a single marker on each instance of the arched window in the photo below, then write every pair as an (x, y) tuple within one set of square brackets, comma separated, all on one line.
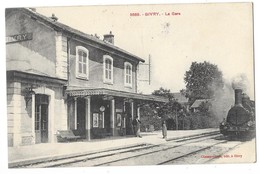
[(128, 74), (82, 56), (108, 69)]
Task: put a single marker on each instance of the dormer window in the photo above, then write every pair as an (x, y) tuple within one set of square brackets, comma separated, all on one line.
[(128, 74), (108, 69), (82, 56)]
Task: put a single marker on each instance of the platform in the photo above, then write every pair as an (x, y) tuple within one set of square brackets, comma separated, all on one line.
[(46, 151)]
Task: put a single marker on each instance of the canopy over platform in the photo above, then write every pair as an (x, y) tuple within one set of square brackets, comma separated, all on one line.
[(115, 93)]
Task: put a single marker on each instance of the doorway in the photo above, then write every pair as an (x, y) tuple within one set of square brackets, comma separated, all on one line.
[(41, 118), (81, 114), (128, 119), (107, 116)]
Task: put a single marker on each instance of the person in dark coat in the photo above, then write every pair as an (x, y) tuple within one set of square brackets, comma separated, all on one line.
[(136, 126), (164, 130)]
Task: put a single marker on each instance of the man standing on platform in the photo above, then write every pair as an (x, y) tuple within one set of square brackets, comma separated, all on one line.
[(136, 125), (164, 130)]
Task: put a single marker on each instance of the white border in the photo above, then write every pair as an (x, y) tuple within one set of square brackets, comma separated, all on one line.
[(209, 169)]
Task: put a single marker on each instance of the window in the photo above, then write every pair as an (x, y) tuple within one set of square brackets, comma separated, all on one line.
[(128, 74), (108, 69), (37, 117), (82, 56)]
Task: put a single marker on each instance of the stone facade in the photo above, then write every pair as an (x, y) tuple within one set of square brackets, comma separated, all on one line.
[(52, 70)]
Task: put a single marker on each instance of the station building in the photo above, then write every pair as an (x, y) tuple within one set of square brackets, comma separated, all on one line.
[(59, 78)]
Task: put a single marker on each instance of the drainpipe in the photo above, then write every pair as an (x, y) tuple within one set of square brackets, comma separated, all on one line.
[(68, 71), (68, 59), (136, 71)]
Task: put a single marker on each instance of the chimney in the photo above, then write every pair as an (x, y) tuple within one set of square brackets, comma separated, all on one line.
[(109, 38), (54, 18), (238, 97), (33, 9), (97, 36)]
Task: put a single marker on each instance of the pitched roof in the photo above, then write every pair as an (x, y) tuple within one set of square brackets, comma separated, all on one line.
[(69, 30), (180, 98), (198, 102)]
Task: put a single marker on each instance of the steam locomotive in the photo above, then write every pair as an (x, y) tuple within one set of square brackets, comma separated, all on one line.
[(240, 120)]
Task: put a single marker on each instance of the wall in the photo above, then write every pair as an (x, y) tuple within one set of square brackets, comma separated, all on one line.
[(119, 109), (14, 100), (19, 111), (44, 54), (60, 110), (96, 70), (96, 103)]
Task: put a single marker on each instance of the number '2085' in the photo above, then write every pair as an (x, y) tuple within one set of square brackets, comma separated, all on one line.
[(134, 14)]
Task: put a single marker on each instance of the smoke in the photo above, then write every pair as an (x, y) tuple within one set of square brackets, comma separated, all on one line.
[(224, 97), (223, 100), (240, 82)]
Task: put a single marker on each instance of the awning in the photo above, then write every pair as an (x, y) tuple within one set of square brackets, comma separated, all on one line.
[(198, 102), (110, 92)]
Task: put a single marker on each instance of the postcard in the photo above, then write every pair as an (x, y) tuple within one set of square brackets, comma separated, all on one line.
[(130, 85)]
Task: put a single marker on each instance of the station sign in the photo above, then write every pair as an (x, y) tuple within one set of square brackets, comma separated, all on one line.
[(19, 38)]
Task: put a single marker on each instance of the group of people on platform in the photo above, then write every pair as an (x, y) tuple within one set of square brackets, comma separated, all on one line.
[(137, 124)]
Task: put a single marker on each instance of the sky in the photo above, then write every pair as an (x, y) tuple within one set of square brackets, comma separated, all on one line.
[(219, 33)]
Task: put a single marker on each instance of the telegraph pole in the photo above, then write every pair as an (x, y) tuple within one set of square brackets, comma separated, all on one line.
[(149, 64), (176, 119)]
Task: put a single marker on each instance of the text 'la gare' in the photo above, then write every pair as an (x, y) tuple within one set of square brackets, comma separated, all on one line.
[(155, 14)]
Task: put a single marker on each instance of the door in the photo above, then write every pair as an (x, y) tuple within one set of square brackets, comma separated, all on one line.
[(44, 123), (81, 116), (107, 116), (128, 119), (41, 118)]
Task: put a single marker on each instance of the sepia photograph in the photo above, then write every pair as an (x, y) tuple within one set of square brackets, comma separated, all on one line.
[(130, 85)]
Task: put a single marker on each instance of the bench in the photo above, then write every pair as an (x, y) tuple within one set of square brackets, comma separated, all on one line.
[(100, 133), (106, 134), (67, 135)]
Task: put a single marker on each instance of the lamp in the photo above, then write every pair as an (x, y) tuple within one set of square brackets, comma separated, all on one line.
[(102, 108)]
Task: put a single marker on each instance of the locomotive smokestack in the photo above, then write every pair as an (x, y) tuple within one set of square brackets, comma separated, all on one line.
[(238, 96)]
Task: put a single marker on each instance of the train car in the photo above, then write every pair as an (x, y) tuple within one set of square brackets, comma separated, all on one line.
[(240, 120)]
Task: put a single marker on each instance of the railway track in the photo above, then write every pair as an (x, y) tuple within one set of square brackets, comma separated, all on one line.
[(205, 154), (168, 151), (162, 148), (83, 157), (190, 137), (111, 156), (171, 160)]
